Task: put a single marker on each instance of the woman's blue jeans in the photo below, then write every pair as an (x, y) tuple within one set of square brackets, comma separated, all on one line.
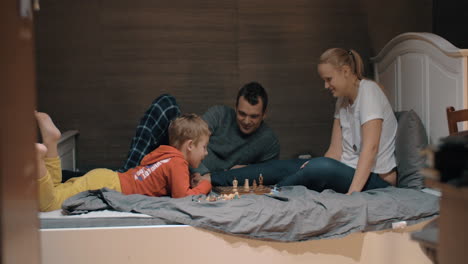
[(319, 174)]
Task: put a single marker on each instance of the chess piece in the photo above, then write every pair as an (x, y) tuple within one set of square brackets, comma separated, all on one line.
[(246, 185), (260, 180), (234, 185), (211, 198), (275, 190), (254, 184)]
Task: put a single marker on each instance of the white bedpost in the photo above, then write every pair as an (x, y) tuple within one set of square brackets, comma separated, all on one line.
[(426, 73), (67, 149)]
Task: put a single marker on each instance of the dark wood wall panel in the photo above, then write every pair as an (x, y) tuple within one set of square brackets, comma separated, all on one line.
[(387, 19), (69, 69), (279, 45), (449, 21), (155, 47), (101, 63)]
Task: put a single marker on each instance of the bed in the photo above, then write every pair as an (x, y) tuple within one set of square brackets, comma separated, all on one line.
[(426, 73), (67, 149), (196, 233)]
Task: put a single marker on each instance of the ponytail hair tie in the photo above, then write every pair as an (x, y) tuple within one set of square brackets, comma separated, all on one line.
[(350, 52)]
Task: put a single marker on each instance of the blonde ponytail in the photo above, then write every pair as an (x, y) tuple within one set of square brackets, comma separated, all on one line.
[(338, 58)]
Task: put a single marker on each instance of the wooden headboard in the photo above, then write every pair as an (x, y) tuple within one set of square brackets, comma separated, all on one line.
[(426, 73)]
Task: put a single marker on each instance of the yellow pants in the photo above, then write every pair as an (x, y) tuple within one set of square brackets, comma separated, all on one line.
[(52, 192)]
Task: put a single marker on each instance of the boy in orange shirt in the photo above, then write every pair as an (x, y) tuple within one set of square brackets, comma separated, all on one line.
[(164, 171)]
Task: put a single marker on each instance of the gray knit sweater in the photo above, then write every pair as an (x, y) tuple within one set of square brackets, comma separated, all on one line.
[(228, 146)]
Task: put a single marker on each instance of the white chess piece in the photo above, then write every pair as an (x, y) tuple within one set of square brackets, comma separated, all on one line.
[(246, 185), (234, 185)]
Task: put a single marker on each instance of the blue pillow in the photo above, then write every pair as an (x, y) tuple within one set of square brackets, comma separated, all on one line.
[(410, 139)]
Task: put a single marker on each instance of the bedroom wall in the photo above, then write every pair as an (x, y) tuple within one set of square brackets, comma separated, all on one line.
[(387, 19), (449, 21), (101, 63)]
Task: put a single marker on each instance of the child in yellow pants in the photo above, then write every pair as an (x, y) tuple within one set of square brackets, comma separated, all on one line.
[(164, 171)]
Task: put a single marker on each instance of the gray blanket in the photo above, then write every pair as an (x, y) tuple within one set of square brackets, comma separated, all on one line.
[(294, 214)]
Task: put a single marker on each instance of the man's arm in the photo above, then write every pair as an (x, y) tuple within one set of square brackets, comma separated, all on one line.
[(273, 152), (213, 117), (270, 151), (238, 166), (202, 169)]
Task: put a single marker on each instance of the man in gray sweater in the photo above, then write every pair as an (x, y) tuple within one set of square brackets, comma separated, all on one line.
[(239, 136)]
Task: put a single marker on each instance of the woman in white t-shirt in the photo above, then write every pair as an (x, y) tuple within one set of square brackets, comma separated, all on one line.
[(361, 153)]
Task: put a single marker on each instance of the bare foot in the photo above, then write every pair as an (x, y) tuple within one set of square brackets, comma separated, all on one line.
[(50, 133), (41, 151)]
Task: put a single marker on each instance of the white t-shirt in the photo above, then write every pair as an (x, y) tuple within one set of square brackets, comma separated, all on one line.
[(371, 103)]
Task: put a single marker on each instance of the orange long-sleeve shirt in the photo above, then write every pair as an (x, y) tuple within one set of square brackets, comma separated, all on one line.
[(162, 172)]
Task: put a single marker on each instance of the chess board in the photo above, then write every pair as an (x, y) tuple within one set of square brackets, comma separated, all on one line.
[(260, 189)]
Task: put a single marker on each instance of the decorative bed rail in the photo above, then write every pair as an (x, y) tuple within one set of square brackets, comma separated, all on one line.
[(426, 73)]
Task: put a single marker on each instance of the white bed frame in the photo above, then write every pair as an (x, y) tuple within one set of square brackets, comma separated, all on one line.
[(420, 71), (426, 73), (186, 244), (67, 149)]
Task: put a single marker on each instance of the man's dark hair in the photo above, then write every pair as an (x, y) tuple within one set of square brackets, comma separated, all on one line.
[(251, 92)]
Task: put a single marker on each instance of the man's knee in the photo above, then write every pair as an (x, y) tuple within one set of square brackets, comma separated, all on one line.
[(164, 99), (166, 105)]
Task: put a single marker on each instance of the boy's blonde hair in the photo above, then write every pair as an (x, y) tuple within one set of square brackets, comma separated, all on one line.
[(186, 127)]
